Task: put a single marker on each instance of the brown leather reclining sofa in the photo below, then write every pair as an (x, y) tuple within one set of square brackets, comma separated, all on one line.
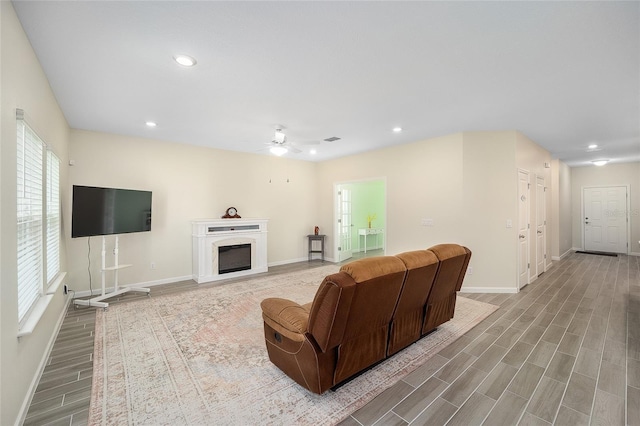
[(369, 310)]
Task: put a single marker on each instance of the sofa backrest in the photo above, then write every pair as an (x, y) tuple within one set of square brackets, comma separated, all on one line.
[(330, 310), (453, 261), (352, 310), (378, 281), (406, 326)]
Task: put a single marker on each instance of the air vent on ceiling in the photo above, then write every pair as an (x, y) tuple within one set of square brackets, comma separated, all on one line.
[(332, 139)]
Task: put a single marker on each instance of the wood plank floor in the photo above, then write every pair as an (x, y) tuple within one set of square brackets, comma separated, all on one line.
[(564, 351)]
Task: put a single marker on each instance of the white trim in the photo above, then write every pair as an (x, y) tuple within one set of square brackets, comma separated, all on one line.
[(300, 259), (563, 255), (56, 283), (24, 408), (39, 308), (633, 253), (286, 262), (488, 290), (33, 317)]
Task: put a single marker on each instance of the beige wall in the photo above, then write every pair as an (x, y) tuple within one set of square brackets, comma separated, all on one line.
[(611, 174), (560, 209), (23, 86), (424, 180), (465, 182), (188, 182), (489, 200)]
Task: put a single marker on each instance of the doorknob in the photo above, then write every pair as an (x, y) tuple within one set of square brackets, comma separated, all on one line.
[(587, 223), (539, 232), (521, 236)]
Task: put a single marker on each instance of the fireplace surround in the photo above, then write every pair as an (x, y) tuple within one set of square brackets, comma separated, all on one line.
[(213, 239)]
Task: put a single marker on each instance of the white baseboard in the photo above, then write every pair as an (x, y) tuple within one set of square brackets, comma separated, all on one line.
[(22, 414), (288, 261), (488, 290), (563, 255), (300, 259), (98, 291)]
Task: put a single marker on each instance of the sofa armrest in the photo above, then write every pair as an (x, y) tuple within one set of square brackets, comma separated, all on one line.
[(285, 316)]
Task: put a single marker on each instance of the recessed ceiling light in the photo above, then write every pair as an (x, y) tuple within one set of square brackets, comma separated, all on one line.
[(397, 129), (593, 146), (600, 162), (313, 152), (185, 60), (151, 124)]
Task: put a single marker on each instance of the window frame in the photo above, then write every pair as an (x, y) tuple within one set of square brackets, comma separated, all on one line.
[(38, 224)]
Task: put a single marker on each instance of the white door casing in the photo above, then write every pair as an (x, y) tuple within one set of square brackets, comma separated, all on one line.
[(605, 220), (344, 224), (541, 226), (523, 228)]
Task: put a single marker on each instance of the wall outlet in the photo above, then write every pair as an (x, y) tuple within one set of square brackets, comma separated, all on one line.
[(509, 223), (153, 265), (470, 270), (65, 289), (427, 222)]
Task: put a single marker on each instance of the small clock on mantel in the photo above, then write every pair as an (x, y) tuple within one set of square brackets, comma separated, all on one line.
[(232, 213)]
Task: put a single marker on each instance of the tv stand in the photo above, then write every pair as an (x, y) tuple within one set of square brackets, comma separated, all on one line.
[(98, 301)]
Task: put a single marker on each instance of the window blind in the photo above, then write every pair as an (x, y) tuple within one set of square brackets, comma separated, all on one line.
[(53, 216), (29, 218)]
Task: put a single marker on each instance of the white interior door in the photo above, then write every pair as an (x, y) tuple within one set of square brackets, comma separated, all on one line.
[(541, 225), (345, 227), (523, 228), (605, 219)]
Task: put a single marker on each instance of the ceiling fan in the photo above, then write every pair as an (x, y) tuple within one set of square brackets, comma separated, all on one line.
[(280, 146)]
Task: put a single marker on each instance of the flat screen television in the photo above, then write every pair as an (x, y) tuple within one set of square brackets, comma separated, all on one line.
[(108, 211)]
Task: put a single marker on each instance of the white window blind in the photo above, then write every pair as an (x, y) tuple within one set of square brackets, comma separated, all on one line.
[(30, 217), (53, 216)]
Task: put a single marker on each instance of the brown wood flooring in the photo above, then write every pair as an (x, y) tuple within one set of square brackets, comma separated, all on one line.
[(563, 351)]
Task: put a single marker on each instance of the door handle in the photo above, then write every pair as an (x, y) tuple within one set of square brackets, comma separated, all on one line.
[(521, 236), (539, 232), (586, 223)]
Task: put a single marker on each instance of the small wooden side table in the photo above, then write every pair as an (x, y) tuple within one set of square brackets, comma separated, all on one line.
[(312, 238)]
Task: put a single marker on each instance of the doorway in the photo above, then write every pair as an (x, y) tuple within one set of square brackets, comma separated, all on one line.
[(541, 226), (360, 218), (605, 226), (523, 228)]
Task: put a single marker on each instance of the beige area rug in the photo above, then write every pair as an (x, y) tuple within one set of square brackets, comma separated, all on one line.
[(199, 358)]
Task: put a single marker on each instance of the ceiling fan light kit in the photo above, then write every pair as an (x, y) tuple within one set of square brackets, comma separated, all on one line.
[(278, 150)]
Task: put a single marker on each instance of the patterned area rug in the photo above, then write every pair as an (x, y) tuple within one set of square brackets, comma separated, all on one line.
[(199, 358)]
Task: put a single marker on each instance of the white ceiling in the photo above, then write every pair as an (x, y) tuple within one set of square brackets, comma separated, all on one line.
[(566, 74)]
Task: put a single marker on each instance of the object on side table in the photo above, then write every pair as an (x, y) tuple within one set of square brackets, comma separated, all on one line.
[(316, 230)]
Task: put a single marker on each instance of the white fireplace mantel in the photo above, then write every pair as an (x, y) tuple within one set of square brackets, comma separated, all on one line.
[(210, 234)]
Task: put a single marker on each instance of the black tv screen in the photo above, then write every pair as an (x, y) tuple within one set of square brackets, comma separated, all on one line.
[(107, 211)]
